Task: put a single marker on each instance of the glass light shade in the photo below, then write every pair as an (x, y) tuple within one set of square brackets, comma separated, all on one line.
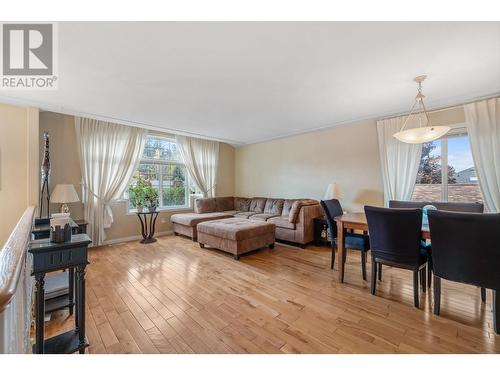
[(422, 135)]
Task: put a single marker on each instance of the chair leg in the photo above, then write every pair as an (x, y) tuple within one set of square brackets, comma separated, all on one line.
[(496, 311), (344, 258), (333, 258), (437, 294), (380, 272), (374, 276), (483, 295), (415, 288), (363, 264), (423, 279)]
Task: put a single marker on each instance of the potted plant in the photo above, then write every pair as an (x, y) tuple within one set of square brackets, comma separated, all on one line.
[(151, 197), (137, 193)]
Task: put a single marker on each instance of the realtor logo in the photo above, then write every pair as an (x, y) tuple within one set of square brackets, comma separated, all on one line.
[(28, 56)]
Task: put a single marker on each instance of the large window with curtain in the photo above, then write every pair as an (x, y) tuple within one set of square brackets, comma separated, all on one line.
[(162, 165), (446, 171)]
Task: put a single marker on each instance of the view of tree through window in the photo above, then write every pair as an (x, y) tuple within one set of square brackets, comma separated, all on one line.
[(161, 164), (450, 157)]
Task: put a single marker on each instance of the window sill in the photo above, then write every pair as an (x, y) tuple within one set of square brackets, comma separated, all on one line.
[(169, 209)]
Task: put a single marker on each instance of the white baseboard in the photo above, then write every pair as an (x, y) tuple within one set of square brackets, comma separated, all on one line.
[(135, 238)]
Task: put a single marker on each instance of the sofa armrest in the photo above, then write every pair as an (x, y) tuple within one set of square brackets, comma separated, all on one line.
[(305, 223)]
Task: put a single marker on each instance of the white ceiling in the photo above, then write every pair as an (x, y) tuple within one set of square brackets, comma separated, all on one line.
[(245, 82)]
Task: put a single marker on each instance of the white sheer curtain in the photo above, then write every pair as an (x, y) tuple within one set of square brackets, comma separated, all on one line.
[(201, 158), (109, 156), (483, 126), (399, 161)]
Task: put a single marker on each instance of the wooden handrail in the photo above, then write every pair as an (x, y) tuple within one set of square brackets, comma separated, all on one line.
[(13, 255)]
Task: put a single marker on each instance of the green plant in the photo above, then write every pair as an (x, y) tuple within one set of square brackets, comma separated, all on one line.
[(137, 192), (151, 196)]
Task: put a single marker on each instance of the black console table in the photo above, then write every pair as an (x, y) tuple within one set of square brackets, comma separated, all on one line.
[(148, 231), (47, 257)]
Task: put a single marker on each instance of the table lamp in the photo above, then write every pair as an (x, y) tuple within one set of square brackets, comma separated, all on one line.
[(332, 191), (64, 194)]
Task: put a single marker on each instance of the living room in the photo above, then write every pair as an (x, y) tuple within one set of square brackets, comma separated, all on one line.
[(264, 187)]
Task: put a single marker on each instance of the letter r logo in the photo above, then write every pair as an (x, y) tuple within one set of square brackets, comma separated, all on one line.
[(27, 49)]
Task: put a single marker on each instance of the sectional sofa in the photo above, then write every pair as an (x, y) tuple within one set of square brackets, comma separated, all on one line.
[(293, 218)]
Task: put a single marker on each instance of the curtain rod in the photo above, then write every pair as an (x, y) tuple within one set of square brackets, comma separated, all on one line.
[(444, 108)]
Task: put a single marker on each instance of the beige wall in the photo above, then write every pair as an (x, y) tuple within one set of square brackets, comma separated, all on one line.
[(18, 164), (66, 169), (302, 166)]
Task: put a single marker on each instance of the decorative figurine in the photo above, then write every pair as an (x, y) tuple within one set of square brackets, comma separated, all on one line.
[(45, 174)]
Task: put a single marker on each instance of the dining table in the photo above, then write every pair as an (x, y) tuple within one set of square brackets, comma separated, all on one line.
[(356, 221)]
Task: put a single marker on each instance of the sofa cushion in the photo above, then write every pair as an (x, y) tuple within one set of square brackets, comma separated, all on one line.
[(287, 206), (282, 222), (273, 206), (257, 205), (204, 205), (242, 204), (297, 205), (231, 212), (192, 219), (244, 214), (262, 217), (235, 229), (224, 204)]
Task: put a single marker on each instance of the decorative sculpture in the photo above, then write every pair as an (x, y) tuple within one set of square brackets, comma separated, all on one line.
[(45, 175)]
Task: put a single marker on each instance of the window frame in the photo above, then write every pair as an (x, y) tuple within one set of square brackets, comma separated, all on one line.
[(160, 163), (457, 130)]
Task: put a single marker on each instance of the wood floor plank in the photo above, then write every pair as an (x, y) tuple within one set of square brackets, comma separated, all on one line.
[(173, 297)]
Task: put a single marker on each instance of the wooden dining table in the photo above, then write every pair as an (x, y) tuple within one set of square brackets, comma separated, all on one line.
[(356, 221)]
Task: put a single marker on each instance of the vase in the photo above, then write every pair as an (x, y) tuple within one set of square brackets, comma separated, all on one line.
[(140, 208)]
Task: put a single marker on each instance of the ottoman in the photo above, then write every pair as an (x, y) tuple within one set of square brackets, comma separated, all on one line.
[(236, 236)]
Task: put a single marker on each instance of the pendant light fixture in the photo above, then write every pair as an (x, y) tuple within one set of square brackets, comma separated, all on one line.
[(425, 131)]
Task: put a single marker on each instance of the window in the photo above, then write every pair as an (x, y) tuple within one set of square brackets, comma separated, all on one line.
[(162, 165), (446, 171)]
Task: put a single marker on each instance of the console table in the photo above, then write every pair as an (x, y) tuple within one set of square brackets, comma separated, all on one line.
[(148, 231), (47, 257)]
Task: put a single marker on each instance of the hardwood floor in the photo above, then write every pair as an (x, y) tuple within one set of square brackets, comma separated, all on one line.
[(173, 297)]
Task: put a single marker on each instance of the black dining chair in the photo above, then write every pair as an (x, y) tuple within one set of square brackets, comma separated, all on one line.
[(333, 208), (443, 206), (466, 249), (395, 235)]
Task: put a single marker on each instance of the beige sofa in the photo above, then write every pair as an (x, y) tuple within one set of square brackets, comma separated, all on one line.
[(293, 218)]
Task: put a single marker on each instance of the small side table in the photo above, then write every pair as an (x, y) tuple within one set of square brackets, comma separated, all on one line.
[(321, 232), (148, 231), (47, 257)]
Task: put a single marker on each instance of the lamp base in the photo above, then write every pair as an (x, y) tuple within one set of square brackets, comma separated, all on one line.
[(64, 209)]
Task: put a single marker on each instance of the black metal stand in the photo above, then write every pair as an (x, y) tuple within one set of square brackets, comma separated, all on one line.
[(148, 231)]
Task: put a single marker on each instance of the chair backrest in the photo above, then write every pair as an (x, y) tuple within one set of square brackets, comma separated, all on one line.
[(395, 234), (460, 206), (407, 204), (466, 247), (332, 208)]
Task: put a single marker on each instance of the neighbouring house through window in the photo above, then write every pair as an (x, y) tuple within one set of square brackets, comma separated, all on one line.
[(446, 171), (162, 165)]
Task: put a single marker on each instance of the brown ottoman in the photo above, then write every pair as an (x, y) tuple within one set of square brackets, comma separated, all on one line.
[(236, 236)]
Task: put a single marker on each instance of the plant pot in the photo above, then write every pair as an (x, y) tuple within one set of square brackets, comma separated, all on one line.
[(140, 208), (152, 208)]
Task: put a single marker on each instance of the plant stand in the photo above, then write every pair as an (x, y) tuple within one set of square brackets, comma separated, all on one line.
[(147, 231)]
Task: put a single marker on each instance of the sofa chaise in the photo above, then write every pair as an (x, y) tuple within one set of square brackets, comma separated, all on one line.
[(293, 218)]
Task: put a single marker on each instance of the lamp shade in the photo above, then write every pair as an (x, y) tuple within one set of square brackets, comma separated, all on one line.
[(332, 191), (422, 135), (64, 193)]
